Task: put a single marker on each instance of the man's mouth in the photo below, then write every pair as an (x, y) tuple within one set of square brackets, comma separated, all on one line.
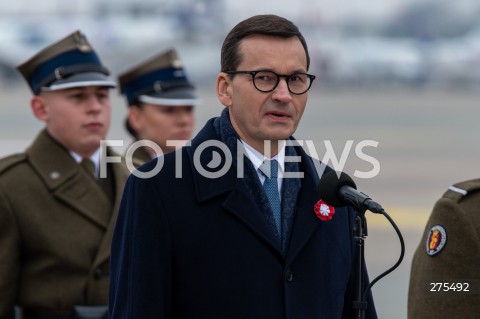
[(278, 115)]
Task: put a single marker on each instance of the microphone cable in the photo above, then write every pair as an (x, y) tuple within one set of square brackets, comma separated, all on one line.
[(399, 261)]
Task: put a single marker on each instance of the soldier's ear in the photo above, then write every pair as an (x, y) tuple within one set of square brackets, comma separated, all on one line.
[(38, 105), (224, 89), (135, 117)]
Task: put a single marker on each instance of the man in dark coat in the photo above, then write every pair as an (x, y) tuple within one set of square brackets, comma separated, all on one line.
[(231, 226), (57, 204)]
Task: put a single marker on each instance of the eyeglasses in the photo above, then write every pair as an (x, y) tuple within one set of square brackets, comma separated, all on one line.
[(266, 81)]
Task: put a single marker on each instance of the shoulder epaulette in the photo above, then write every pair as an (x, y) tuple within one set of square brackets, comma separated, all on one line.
[(11, 160), (459, 190)]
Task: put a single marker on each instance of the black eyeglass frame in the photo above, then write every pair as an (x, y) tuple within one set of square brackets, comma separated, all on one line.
[(286, 76)]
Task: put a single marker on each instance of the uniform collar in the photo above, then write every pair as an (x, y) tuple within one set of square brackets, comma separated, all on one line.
[(95, 158), (51, 160)]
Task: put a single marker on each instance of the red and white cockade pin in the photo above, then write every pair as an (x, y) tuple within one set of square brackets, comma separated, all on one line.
[(323, 210)]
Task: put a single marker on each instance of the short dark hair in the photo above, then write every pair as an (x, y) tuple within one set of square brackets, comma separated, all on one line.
[(267, 24)]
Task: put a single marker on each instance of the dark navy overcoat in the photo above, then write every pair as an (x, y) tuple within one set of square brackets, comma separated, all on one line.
[(187, 246)]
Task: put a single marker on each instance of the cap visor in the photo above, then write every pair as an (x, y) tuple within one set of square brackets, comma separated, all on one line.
[(172, 97), (81, 80)]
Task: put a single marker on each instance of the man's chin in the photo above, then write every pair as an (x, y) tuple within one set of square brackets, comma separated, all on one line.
[(279, 136), (93, 142)]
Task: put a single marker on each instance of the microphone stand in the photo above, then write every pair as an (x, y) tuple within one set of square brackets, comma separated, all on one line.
[(347, 194), (361, 231), (360, 303)]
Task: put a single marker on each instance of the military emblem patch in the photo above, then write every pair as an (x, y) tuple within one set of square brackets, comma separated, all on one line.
[(436, 240)]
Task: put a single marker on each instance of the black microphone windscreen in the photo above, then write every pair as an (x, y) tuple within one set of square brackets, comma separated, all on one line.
[(329, 187)]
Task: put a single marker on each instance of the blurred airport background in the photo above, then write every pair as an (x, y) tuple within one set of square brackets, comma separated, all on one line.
[(429, 43), (404, 73)]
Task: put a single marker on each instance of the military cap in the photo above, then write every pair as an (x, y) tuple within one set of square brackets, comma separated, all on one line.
[(68, 63), (160, 80)]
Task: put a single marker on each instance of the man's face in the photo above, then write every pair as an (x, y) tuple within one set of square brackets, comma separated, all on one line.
[(258, 116), (78, 118), (162, 123)]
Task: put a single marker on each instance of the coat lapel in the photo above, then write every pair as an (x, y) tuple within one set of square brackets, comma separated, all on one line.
[(120, 174), (243, 207), (305, 223), (68, 183), (238, 199), (63, 176), (241, 204)]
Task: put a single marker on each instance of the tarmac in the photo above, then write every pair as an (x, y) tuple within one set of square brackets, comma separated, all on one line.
[(427, 140)]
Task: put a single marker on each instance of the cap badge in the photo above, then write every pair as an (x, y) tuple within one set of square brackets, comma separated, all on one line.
[(59, 73), (157, 86), (436, 240), (82, 43), (177, 63), (323, 210)]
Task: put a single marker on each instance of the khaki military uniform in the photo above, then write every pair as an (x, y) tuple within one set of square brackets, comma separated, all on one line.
[(140, 157), (56, 225), (445, 274)]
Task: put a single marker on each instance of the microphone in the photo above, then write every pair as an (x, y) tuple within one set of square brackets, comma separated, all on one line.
[(339, 189)]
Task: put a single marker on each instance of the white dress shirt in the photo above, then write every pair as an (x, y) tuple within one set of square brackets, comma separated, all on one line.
[(257, 159)]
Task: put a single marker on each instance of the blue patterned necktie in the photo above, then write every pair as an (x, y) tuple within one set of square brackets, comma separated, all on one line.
[(269, 169)]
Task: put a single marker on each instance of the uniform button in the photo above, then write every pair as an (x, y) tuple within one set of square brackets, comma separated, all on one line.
[(98, 273), (54, 175), (289, 275)]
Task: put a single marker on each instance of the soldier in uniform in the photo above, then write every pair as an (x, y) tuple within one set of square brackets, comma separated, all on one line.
[(161, 99), (56, 212), (445, 275)]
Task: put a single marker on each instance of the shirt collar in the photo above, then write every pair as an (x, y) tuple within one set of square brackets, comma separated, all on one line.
[(95, 158), (257, 158)]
